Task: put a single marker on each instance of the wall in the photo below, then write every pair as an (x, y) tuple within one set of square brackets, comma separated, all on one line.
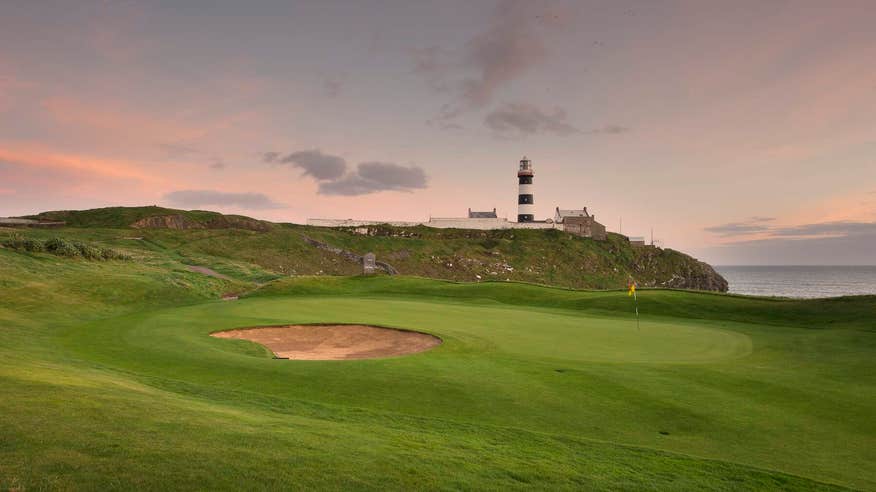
[(14, 222), (441, 223), (584, 226), (357, 223)]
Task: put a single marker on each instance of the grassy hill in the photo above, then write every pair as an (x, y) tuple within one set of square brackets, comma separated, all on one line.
[(110, 381), (538, 256)]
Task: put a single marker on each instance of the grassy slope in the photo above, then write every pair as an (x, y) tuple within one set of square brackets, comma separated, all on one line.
[(105, 381), (118, 217), (848, 312), (546, 257)]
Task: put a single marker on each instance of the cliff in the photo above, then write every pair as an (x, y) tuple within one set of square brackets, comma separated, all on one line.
[(547, 257)]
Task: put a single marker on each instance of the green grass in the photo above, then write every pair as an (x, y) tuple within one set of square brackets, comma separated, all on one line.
[(536, 256), (110, 380)]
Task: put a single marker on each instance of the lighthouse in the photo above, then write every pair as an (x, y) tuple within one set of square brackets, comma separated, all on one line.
[(525, 203)]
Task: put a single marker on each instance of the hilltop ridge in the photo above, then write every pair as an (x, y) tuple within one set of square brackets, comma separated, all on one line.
[(549, 257)]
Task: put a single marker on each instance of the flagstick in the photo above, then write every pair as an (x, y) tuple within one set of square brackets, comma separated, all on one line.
[(636, 299)]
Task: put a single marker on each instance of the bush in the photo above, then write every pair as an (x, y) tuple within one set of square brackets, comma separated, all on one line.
[(33, 245), (87, 251), (111, 254), (62, 247), (18, 242)]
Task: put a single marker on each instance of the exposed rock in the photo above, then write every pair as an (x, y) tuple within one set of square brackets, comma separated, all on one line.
[(167, 222), (699, 276), (656, 267), (349, 255), (179, 221), (237, 222)]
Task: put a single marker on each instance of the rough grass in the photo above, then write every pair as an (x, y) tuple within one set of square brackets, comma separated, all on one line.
[(110, 381), (537, 256)]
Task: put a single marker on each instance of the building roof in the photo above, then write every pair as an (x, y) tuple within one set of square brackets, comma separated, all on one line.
[(481, 215), (563, 213)]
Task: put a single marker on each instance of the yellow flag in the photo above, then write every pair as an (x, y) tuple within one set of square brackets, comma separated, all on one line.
[(632, 289)]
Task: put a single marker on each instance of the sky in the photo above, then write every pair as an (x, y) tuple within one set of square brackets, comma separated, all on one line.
[(741, 132)]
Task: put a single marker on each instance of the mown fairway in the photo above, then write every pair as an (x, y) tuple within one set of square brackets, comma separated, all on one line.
[(110, 380)]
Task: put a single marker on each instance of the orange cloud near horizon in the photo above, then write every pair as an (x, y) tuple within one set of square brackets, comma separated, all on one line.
[(39, 157)]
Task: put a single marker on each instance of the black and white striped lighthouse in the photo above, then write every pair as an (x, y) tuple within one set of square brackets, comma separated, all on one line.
[(525, 202)]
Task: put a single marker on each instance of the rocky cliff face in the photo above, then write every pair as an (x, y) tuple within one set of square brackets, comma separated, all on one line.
[(656, 267), (698, 276), (168, 222), (546, 257), (181, 222)]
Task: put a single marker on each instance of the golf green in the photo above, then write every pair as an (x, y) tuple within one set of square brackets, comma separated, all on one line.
[(492, 331)]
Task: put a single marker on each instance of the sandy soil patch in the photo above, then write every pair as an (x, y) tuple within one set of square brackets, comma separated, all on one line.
[(207, 271), (335, 342)]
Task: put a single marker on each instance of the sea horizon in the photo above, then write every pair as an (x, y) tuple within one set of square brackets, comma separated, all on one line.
[(800, 281)]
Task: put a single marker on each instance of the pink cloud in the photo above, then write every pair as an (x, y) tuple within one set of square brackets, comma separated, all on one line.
[(48, 160), (115, 119)]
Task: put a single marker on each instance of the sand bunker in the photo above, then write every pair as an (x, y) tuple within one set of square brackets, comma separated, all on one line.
[(335, 342)]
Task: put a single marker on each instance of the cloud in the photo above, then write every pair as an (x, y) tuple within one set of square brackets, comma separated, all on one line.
[(609, 130), (525, 119), (312, 162), (767, 232), (373, 177), (753, 225), (368, 177), (51, 160), (178, 150), (840, 228), (432, 64), (520, 119), (512, 45), (332, 87), (270, 157), (202, 198), (826, 243), (393, 176)]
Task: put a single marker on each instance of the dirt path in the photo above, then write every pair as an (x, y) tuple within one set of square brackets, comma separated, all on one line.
[(335, 342), (207, 271)]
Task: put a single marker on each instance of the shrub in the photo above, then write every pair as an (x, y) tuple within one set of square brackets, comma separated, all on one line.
[(87, 251), (111, 254), (19, 242), (62, 247), (33, 245), (12, 241)]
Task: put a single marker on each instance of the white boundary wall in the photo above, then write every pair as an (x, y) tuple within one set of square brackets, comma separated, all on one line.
[(357, 223), (440, 223)]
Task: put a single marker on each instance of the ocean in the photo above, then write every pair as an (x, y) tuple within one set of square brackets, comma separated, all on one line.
[(800, 281)]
